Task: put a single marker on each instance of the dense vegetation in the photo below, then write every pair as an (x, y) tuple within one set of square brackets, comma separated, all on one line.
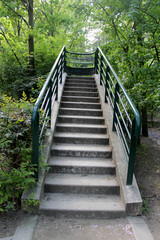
[(32, 32)]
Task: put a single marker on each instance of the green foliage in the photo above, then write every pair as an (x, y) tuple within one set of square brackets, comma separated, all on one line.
[(16, 170)]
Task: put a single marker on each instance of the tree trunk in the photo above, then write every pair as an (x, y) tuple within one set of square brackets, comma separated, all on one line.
[(31, 40), (144, 122)]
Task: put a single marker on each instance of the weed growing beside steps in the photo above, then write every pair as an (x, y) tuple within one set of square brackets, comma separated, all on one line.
[(16, 171)]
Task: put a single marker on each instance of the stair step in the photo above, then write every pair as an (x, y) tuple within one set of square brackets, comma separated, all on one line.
[(85, 94), (81, 150), (81, 105), (82, 206), (80, 112), (80, 99), (80, 119), (80, 78), (80, 89), (81, 165), (81, 138), (81, 183), (80, 84), (81, 128)]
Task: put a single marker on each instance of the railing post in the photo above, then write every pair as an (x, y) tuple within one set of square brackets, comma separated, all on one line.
[(65, 59), (35, 140), (116, 101), (132, 155), (96, 61), (56, 98), (50, 100), (107, 85), (101, 69)]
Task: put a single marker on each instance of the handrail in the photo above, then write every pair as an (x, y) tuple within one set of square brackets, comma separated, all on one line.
[(126, 118), (41, 113), (118, 97)]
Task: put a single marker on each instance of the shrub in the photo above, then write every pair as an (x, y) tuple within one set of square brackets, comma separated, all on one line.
[(16, 170)]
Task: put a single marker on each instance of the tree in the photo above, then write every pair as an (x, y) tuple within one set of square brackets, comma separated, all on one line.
[(133, 30)]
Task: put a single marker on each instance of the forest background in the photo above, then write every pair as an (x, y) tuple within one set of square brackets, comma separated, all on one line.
[(32, 33)]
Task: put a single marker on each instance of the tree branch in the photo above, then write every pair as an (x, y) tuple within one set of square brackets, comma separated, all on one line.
[(147, 14), (3, 34), (14, 12)]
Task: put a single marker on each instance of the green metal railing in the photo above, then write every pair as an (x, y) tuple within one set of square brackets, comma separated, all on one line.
[(80, 63), (41, 114), (126, 118)]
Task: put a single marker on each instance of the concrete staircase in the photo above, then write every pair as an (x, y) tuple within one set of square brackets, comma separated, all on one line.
[(82, 179)]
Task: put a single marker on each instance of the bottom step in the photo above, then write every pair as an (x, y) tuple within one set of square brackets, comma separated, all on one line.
[(82, 206)]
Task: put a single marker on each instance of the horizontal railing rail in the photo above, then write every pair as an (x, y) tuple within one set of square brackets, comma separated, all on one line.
[(41, 113), (126, 118)]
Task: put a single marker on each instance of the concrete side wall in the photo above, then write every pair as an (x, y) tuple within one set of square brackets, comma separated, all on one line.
[(130, 194), (30, 200)]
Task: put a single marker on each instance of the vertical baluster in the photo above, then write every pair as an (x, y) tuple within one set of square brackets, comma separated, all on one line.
[(56, 84), (35, 139), (101, 70), (107, 85), (132, 155), (96, 61), (116, 101)]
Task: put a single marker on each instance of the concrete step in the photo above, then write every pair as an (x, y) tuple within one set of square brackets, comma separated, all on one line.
[(80, 84), (81, 183), (80, 112), (80, 89), (81, 138), (84, 94), (77, 78), (82, 206), (80, 119), (81, 165), (80, 105), (81, 150), (80, 99), (81, 128)]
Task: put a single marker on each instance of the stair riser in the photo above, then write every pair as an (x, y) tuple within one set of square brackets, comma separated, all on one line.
[(81, 130), (80, 105), (84, 94), (80, 120), (82, 170), (82, 189), (82, 153), (80, 89), (83, 214), (81, 140), (78, 112), (75, 99)]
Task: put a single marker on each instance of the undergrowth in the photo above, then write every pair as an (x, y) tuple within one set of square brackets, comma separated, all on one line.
[(16, 170)]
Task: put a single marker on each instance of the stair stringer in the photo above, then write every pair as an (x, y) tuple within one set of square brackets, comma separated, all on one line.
[(130, 195)]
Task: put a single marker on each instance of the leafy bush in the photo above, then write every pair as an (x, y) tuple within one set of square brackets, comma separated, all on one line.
[(16, 170)]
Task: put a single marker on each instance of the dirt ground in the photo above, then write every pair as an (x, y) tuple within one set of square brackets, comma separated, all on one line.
[(147, 171)]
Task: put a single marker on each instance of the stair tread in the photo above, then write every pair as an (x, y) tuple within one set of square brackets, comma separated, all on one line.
[(81, 162), (81, 117), (90, 180), (81, 109), (84, 103), (80, 147), (80, 125), (64, 201), (80, 135)]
